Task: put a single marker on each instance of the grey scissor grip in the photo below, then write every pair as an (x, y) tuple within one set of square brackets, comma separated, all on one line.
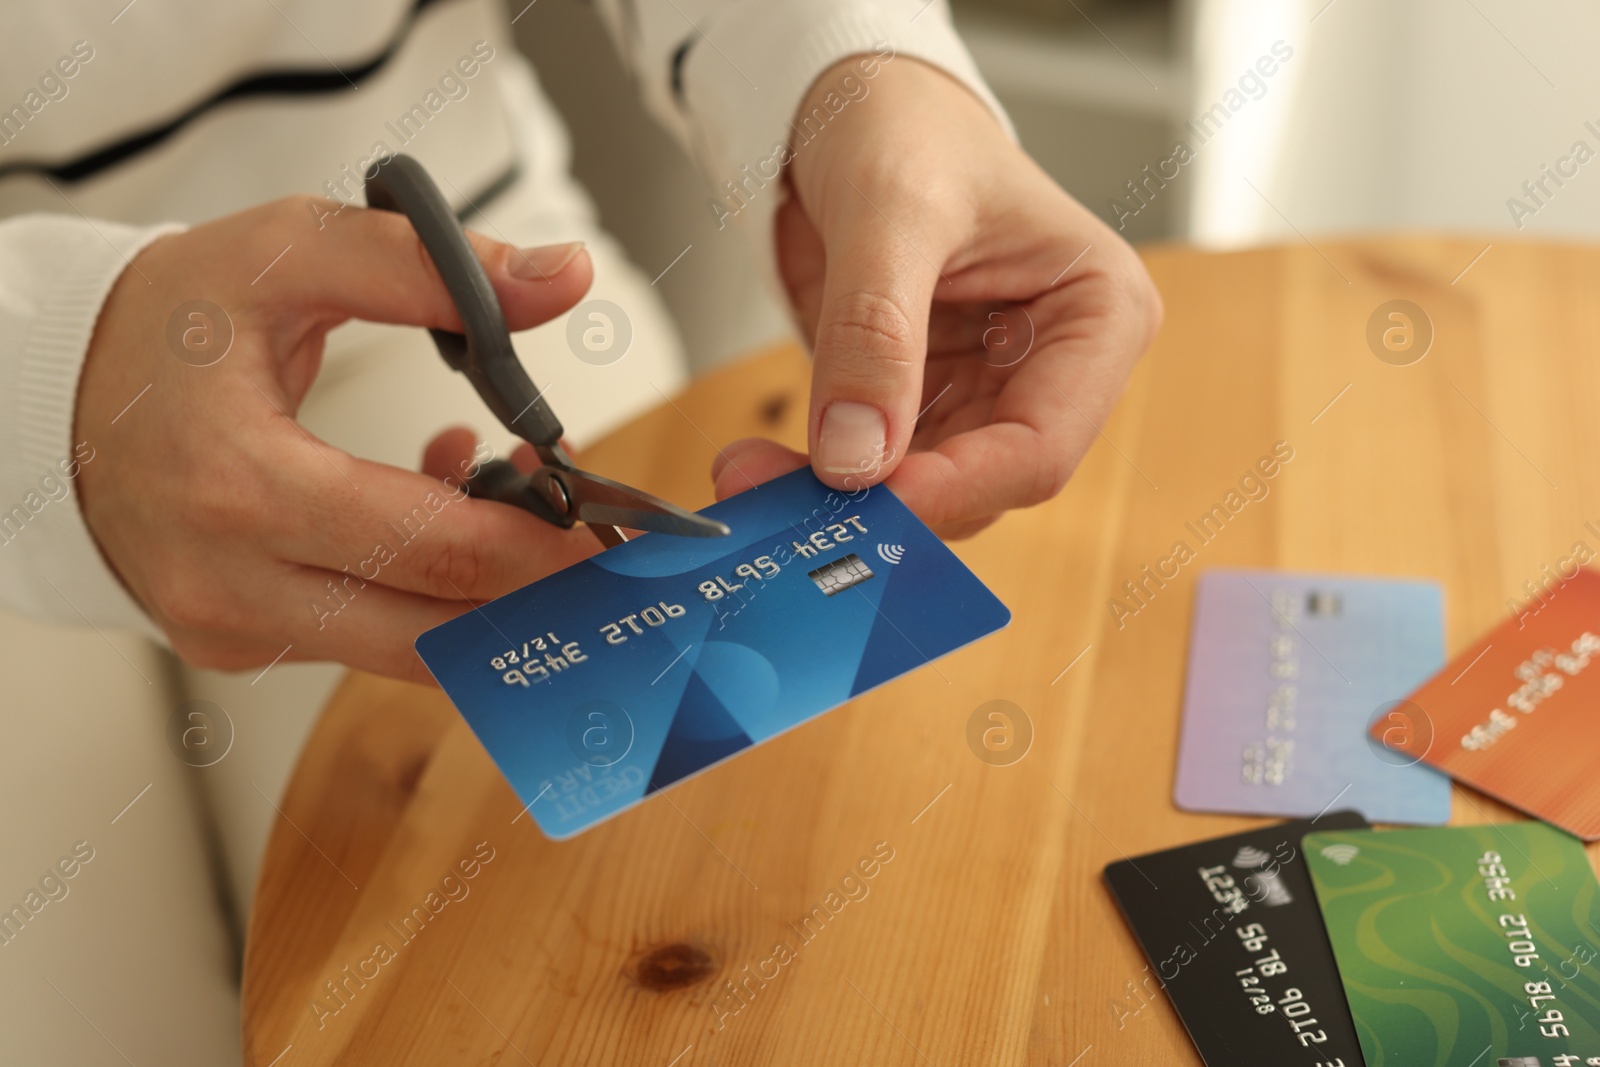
[(483, 352)]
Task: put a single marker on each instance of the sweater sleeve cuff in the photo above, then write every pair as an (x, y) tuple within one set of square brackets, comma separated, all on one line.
[(55, 275), (740, 86)]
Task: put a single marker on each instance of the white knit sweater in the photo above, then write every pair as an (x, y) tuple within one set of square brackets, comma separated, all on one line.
[(121, 123)]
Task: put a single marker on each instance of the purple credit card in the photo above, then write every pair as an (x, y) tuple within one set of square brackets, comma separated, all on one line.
[(1286, 673)]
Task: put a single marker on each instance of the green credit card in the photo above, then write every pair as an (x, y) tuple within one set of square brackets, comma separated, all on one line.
[(1471, 946)]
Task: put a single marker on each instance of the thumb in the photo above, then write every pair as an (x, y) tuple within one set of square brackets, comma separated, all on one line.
[(871, 342)]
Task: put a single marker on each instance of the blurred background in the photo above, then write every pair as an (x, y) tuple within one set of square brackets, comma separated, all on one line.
[(1385, 115)]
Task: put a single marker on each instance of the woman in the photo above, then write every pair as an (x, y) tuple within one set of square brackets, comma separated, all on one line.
[(213, 384)]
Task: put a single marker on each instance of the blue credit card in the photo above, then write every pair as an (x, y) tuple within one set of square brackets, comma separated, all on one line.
[(654, 660), (1286, 674)]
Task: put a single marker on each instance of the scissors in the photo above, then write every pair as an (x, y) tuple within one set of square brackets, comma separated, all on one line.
[(557, 492)]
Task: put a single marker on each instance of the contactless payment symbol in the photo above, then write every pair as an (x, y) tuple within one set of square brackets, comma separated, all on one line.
[(1263, 884), (891, 553), (1341, 854)]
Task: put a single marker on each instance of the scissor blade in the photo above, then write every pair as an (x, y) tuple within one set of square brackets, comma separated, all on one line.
[(600, 501)]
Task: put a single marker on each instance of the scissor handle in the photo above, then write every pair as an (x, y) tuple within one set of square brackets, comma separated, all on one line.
[(484, 354)]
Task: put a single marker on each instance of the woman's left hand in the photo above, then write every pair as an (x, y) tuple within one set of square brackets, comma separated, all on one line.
[(972, 324)]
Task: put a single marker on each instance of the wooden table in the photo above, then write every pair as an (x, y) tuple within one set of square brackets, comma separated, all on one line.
[(989, 937)]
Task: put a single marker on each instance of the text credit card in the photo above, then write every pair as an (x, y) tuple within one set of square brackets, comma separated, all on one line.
[(634, 669), (1464, 944), (1285, 673), (1234, 937), (1517, 714)]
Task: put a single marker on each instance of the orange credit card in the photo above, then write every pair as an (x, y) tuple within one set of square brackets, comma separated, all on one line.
[(1517, 714)]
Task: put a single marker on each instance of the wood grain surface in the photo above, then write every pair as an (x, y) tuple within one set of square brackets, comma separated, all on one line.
[(987, 936)]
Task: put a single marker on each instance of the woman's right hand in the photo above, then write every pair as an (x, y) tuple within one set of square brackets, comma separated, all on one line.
[(241, 534)]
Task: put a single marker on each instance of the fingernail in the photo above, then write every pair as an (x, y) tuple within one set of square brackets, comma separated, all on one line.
[(541, 262), (852, 438)]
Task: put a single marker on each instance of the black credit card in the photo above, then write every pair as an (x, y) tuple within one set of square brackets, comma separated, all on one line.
[(1234, 936)]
